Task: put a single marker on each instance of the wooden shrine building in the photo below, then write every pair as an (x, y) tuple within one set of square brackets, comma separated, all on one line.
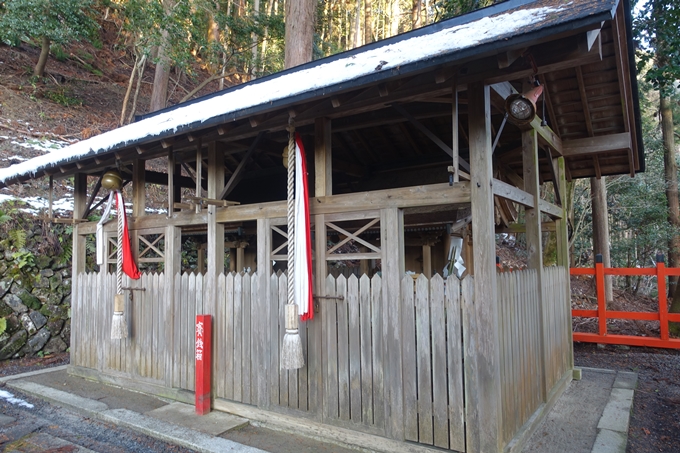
[(395, 361)]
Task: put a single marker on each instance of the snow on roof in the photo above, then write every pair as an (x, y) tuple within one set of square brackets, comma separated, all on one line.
[(308, 78)]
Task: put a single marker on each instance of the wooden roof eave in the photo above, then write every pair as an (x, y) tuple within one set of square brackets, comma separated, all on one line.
[(428, 81)]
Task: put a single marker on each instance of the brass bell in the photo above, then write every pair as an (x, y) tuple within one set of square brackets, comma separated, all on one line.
[(112, 180)]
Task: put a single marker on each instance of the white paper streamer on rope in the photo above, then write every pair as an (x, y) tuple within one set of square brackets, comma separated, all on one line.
[(101, 239)]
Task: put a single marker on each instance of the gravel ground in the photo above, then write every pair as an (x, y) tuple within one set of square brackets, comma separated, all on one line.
[(654, 426), (44, 418), (655, 423)]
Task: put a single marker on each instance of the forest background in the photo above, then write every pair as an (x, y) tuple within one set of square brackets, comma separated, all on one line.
[(207, 45)]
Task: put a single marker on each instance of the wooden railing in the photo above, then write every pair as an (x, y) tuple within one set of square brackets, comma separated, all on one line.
[(602, 314)]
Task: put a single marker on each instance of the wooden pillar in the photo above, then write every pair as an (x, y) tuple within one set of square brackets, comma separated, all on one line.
[(427, 260), (79, 205), (598, 191), (232, 260), (323, 186), (532, 220), (138, 201), (393, 268), (323, 165), (215, 247), (263, 306), (199, 173), (77, 251), (173, 266), (563, 250), (171, 182), (487, 384), (240, 257)]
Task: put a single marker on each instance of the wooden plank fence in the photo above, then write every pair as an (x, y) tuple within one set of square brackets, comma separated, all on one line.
[(526, 359), (432, 359), (351, 383)]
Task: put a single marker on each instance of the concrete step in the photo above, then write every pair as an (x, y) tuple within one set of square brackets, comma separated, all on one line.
[(213, 423)]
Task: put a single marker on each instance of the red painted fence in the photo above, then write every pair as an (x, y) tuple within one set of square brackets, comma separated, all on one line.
[(602, 314)]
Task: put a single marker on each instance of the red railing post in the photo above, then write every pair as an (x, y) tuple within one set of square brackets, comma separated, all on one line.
[(663, 300), (601, 300)]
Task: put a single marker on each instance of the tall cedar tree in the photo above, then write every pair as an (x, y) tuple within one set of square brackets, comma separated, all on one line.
[(657, 27)]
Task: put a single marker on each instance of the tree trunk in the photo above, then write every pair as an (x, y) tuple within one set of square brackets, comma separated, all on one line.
[(395, 14), (598, 192), (161, 78), (671, 174), (299, 32), (39, 69), (368, 22)]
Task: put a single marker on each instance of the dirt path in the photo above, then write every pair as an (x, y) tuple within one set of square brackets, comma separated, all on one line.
[(655, 423)]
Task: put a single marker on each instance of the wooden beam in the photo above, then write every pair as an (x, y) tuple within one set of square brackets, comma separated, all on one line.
[(171, 182), (505, 190), (240, 170), (483, 418), (599, 144), (215, 233), (323, 158), (429, 134), (199, 172), (78, 249), (138, 188), (532, 220), (93, 195), (584, 100), (553, 176), (455, 146)]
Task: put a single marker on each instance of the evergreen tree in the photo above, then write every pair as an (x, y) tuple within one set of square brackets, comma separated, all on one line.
[(46, 21)]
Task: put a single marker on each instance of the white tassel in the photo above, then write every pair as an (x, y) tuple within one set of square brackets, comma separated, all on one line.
[(119, 330), (291, 351)]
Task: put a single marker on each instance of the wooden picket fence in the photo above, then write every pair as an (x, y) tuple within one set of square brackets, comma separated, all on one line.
[(342, 382), (530, 354)]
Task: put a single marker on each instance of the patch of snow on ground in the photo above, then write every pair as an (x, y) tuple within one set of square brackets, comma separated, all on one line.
[(19, 158), (10, 398), (39, 203), (44, 145)]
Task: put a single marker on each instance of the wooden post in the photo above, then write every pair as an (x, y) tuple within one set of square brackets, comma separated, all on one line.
[(392, 235), (173, 266), (240, 258), (215, 247), (78, 249), (487, 384), (532, 220), (562, 238), (138, 202), (427, 260), (598, 190), (315, 354), (199, 173), (264, 270), (171, 182), (454, 130), (323, 166)]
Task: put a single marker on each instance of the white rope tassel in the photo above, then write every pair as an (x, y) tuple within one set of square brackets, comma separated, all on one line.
[(291, 350), (119, 328)]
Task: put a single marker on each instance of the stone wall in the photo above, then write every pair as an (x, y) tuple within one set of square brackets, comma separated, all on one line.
[(35, 290)]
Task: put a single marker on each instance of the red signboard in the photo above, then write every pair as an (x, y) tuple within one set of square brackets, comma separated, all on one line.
[(203, 350)]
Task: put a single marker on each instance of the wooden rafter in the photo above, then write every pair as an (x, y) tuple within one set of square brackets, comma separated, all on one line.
[(240, 170), (429, 134)]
